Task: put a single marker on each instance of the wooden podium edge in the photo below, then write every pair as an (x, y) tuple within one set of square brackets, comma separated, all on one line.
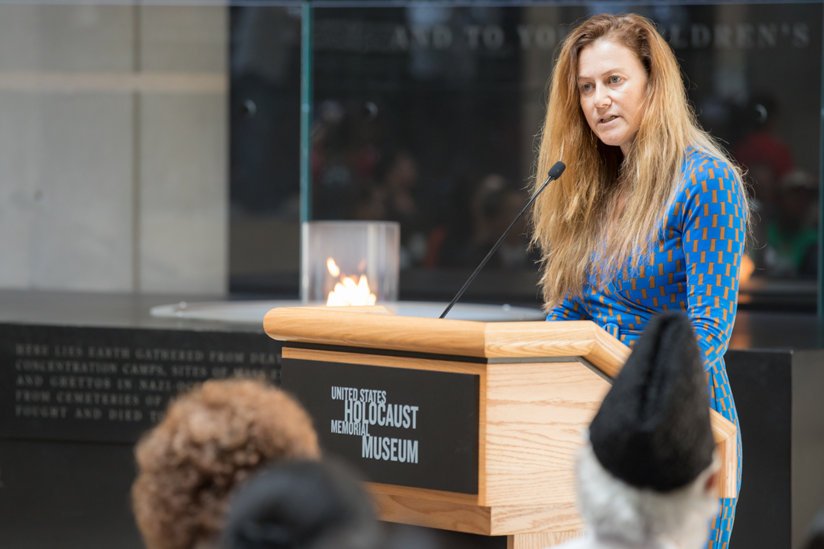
[(725, 435), (463, 514), (468, 338), (335, 326)]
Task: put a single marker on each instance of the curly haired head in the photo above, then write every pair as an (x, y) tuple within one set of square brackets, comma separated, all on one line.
[(211, 439)]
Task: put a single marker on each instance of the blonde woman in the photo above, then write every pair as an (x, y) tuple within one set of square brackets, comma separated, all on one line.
[(650, 214)]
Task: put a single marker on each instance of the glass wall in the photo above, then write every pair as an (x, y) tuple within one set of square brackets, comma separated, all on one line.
[(264, 151), (158, 146), (426, 113)]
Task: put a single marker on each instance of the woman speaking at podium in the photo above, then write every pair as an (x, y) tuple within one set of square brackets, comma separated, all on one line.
[(650, 214)]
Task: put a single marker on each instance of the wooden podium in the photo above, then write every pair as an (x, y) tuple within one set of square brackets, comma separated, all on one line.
[(459, 425)]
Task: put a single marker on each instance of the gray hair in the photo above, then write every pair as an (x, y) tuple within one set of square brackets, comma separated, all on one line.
[(613, 509)]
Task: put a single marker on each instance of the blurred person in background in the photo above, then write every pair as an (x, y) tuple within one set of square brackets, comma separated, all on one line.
[(766, 161), (495, 205), (791, 249), (815, 535)]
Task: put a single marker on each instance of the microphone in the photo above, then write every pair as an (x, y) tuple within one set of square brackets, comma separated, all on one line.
[(554, 173)]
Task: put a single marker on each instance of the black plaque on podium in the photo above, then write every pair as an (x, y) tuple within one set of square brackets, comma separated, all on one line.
[(391, 423)]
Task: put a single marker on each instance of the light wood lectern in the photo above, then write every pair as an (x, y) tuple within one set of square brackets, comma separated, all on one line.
[(459, 425)]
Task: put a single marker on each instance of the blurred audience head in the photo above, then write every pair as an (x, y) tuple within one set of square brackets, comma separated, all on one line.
[(648, 472), (212, 438), (815, 535), (302, 504)]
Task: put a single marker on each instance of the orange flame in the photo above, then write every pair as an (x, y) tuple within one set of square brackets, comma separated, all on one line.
[(332, 267), (347, 291)]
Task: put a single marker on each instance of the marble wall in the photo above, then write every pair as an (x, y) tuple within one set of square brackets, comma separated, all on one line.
[(113, 148)]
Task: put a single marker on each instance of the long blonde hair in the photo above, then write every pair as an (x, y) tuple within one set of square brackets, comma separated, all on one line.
[(579, 215)]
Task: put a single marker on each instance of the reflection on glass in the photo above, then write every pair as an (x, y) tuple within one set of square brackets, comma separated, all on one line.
[(427, 115), (264, 138), (423, 113)]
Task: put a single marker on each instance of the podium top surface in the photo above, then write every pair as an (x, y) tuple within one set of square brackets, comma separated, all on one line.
[(376, 328)]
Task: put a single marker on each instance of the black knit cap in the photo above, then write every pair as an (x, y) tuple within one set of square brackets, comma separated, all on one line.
[(653, 427), (302, 505)]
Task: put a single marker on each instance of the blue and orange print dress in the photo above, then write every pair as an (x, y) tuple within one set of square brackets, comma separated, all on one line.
[(693, 267)]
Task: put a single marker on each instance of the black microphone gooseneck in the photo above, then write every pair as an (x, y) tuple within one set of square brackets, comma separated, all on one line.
[(554, 173)]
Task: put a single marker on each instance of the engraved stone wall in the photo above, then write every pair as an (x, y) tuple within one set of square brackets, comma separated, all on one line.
[(109, 384)]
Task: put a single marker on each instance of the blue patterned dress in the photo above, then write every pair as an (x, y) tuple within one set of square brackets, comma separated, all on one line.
[(693, 267)]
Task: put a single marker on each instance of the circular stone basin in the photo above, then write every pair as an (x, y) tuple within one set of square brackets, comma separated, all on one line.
[(252, 312)]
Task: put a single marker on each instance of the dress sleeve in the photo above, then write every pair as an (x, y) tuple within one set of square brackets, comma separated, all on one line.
[(713, 240), (568, 309)]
